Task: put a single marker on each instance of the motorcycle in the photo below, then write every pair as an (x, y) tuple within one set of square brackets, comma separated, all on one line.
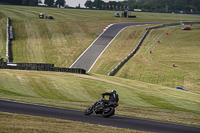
[(99, 108)]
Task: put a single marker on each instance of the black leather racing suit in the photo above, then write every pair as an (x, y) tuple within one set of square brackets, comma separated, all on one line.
[(113, 97)]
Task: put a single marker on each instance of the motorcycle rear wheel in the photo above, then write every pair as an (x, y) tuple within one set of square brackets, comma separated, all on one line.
[(88, 111), (110, 112)]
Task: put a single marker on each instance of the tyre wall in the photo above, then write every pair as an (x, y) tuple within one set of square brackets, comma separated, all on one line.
[(39, 67)]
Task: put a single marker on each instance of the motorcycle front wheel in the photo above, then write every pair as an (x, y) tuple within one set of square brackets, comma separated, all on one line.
[(109, 112), (88, 111)]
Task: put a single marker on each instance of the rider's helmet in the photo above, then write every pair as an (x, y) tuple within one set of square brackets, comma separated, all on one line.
[(113, 91)]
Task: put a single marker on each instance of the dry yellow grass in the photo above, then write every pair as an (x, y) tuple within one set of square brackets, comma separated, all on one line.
[(12, 123)]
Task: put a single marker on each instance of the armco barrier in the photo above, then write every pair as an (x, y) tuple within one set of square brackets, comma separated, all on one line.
[(9, 37), (8, 48), (116, 69), (11, 33), (119, 66), (39, 67)]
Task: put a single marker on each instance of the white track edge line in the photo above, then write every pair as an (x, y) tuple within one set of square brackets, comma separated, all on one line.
[(106, 48), (88, 48)]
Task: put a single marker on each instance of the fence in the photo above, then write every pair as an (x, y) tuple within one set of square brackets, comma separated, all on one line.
[(39, 67), (119, 66)]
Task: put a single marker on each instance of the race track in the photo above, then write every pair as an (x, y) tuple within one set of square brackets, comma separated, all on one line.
[(88, 58), (86, 61), (115, 121)]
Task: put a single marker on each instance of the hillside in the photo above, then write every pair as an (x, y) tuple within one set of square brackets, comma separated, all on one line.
[(76, 91), (145, 84), (179, 47), (60, 41)]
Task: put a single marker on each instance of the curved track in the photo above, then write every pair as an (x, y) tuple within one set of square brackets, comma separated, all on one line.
[(86, 61), (88, 58), (115, 121)]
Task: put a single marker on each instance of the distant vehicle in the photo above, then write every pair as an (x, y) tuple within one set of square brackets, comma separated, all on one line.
[(117, 15), (180, 88), (186, 28)]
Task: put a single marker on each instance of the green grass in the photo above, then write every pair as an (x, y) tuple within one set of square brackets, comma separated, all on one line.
[(179, 47), (120, 48), (80, 91), (62, 40), (145, 83)]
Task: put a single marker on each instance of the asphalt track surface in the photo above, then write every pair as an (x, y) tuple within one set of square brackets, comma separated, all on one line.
[(115, 121), (86, 61), (89, 57)]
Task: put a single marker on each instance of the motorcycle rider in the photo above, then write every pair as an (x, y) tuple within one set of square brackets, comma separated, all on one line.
[(113, 97)]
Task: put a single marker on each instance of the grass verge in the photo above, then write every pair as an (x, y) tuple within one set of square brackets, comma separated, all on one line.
[(12, 123), (179, 47), (137, 99)]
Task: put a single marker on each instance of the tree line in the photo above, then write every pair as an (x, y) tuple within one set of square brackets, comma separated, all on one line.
[(33, 2), (146, 5), (20, 2)]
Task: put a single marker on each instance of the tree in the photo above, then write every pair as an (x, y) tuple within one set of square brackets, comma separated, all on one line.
[(195, 4), (98, 4), (33, 2), (40, 1), (112, 4), (88, 4), (162, 5), (49, 2), (60, 2), (25, 2), (79, 5), (29, 2), (15, 2)]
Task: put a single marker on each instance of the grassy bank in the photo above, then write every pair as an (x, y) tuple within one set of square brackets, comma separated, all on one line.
[(137, 99), (179, 47), (119, 49), (145, 83), (60, 41)]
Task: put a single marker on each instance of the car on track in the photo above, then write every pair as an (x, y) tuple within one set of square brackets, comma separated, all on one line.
[(117, 15), (180, 88), (186, 28)]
